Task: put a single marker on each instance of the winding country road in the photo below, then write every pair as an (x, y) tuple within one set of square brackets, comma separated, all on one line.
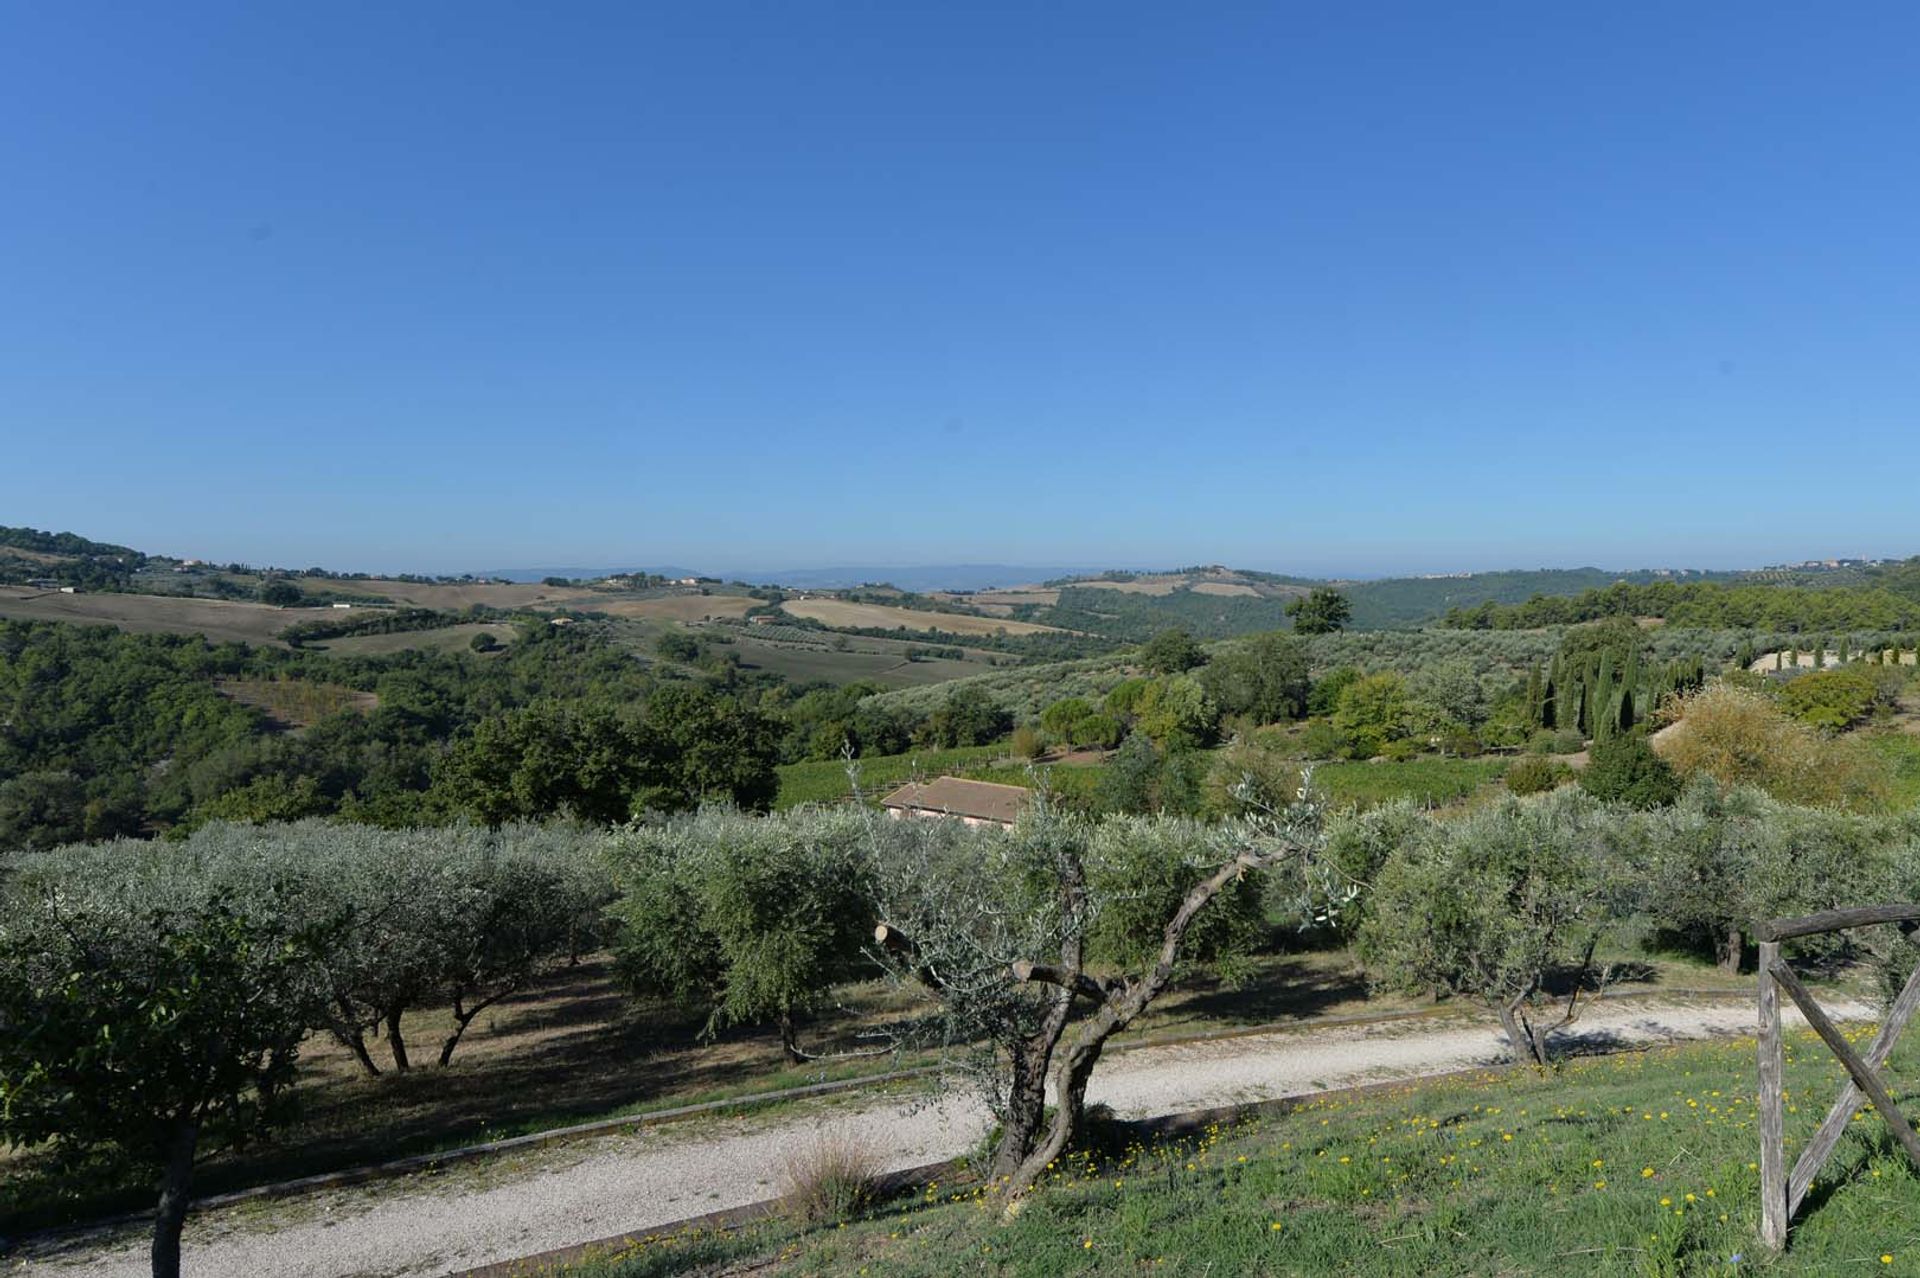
[(556, 1195)]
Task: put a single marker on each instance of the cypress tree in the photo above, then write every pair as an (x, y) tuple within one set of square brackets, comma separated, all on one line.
[(1845, 649), (1630, 696), (1604, 714), (1820, 653), (1555, 692), (1534, 693)]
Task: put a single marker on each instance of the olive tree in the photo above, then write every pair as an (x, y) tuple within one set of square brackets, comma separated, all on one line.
[(745, 919), (149, 1011), (1489, 905), (1014, 932), (1718, 862), (455, 916)]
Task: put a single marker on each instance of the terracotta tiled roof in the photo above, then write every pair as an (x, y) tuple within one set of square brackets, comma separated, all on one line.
[(982, 800)]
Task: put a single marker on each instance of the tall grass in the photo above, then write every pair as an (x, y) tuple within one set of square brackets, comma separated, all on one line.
[(831, 1177)]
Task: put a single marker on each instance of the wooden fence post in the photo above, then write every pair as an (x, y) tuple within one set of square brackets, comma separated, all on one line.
[(1772, 1100)]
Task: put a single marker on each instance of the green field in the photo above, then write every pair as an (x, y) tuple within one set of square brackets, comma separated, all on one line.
[(1429, 781), (1901, 753), (1433, 782), (1641, 1163), (825, 781), (803, 655)]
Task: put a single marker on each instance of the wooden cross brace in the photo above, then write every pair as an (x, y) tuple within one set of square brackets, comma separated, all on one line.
[(1782, 1193)]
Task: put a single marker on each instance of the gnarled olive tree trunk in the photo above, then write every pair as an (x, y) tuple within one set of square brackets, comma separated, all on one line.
[(1118, 1002)]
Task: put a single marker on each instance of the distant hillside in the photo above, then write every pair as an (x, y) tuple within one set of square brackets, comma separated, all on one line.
[(29, 554), (1887, 600), (1218, 603), (1394, 602), (526, 576), (926, 578), (66, 543)]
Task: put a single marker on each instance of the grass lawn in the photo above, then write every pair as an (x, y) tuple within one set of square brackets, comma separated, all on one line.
[(1427, 781), (1643, 1163), (1901, 753)]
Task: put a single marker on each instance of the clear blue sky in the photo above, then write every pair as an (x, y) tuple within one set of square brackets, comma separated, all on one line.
[(1320, 288)]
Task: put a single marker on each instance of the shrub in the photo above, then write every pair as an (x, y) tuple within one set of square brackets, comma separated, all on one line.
[(1263, 678), (1172, 652), (1372, 711), (1176, 712), (1325, 693), (831, 1177), (1064, 715), (1625, 769), (1097, 731), (969, 717), (1534, 774), (1321, 740), (1739, 737), (1830, 699), (1027, 743)]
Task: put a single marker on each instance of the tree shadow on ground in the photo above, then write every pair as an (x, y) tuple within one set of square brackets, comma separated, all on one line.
[(1284, 989)]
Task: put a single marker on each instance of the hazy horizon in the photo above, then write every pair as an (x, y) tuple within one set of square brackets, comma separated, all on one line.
[(771, 570)]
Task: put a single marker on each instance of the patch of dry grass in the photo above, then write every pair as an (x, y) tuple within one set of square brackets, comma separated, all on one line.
[(831, 1177)]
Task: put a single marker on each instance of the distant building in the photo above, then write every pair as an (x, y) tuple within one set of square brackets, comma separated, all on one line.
[(69, 590), (972, 802), (561, 621), (340, 605), (764, 619), (686, 581)]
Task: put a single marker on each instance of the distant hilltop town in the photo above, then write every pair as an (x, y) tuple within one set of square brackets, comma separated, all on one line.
[(1826, 565)]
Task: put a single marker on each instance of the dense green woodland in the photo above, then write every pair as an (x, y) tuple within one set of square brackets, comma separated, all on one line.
[(1891, 603), (104, 733)]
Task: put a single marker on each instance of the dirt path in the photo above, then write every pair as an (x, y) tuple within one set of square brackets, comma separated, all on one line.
[(547, 1198)]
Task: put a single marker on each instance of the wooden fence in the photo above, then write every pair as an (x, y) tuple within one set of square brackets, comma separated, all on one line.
[(1781, 1191)]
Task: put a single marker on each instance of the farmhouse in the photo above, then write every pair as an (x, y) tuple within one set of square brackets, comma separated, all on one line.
[(973, 802)]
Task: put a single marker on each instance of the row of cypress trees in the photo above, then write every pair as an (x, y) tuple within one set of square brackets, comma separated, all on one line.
[(1602, 694)]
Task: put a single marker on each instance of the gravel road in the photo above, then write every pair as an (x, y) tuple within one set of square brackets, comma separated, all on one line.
[(545, 1198)]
